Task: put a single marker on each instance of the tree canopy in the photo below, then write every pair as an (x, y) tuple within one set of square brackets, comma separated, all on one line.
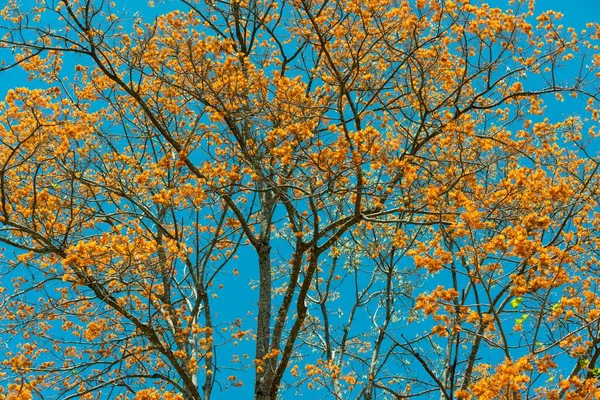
[(342, 199)]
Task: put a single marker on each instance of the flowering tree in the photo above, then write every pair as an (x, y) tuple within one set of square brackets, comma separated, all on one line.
[(384, 173)]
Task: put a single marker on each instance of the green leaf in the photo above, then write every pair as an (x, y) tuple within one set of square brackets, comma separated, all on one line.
[(523, 318), (516, 301)]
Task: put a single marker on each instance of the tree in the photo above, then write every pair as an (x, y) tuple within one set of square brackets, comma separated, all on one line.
[(414, 221)]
